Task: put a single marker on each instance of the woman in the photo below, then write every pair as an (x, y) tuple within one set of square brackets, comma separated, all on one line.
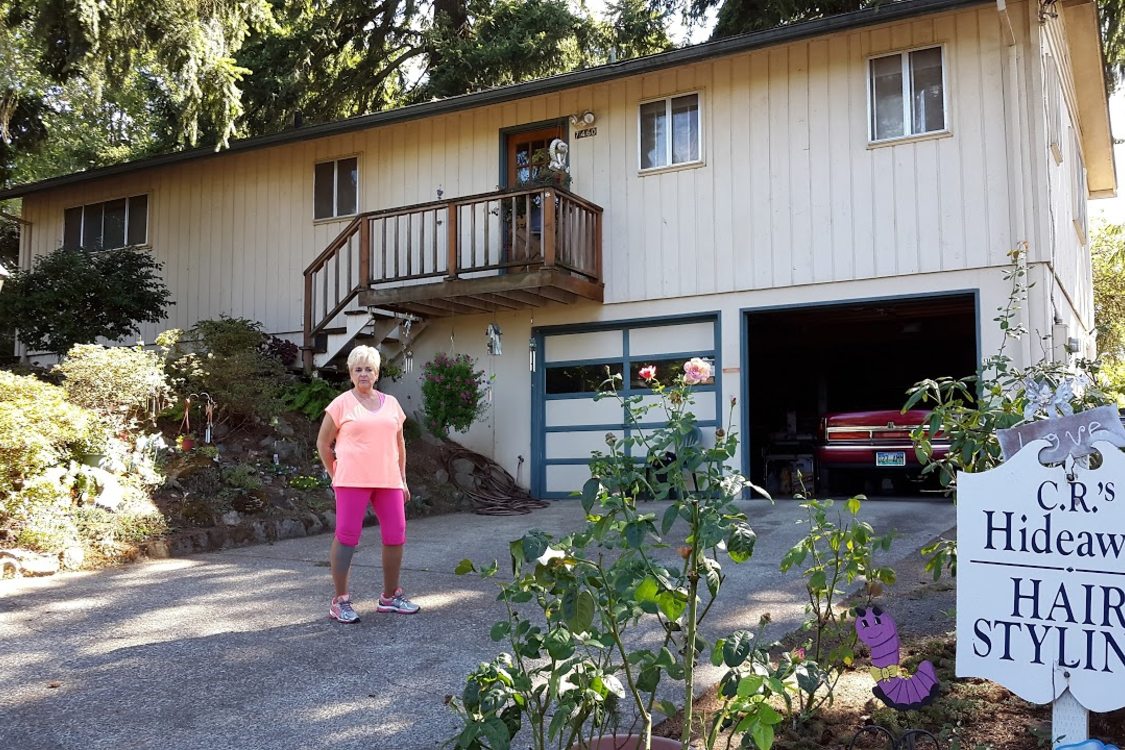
[(362, 447)]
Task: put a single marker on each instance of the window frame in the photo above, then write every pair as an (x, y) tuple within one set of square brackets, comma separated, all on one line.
[(335, 162), (671, 165), (907, 96), (1052, 82), (1079, 189), (82, 231)]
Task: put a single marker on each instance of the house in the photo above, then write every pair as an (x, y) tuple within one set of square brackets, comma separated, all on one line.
[(824, 209)]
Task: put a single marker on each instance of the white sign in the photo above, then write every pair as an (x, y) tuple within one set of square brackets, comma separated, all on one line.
[(1041, 578)]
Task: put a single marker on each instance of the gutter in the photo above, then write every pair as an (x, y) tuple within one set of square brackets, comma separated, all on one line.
[(1009, 33), (885, 12)]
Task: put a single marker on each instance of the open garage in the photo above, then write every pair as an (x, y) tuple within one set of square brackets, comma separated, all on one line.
[(808, 361)]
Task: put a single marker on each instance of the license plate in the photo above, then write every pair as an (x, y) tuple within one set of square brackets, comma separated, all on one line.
[(890, 458)]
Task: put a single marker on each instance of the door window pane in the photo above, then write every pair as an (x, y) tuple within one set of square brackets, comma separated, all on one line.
[(654, 146), (114, 223), (324, 197), (138, 220), (685, 129), (928, 100), (347, 186)]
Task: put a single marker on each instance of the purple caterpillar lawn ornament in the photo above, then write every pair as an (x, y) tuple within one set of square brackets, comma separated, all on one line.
[(893, 685)]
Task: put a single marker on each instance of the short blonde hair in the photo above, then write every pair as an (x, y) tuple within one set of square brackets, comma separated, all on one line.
[(365, 355)]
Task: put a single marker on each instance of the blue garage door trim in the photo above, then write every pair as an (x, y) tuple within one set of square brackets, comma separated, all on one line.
[(539, 397)]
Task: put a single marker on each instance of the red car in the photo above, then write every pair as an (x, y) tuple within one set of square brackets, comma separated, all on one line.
[(873, 444)]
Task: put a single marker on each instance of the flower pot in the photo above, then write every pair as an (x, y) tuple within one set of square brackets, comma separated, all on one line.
[(630, 742), (187, 444)]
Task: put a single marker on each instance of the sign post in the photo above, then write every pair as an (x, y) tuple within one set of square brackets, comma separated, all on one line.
[(1041, 576)]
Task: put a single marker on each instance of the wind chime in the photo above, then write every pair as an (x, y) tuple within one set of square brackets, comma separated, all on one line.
[(494, 346), (407, 354), (531, 347)]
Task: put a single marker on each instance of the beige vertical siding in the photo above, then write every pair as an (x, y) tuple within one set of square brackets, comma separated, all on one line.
[(789, 192)]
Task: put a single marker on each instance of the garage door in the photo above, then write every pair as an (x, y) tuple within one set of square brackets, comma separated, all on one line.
[(569, 423)]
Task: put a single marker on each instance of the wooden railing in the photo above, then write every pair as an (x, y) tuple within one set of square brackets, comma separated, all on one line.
[(471, 237)]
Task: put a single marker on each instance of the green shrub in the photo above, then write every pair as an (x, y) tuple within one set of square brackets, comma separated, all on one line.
[(119, 383), (452, 393), (242, 477), (310, 397), (74, 296), (226, 361), (40, 429)]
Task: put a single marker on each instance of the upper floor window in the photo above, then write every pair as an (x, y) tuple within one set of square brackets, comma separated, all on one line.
[(1078, 188), (670, 132), (336, 192), (108, 225), (907, 92), (1053, 85)]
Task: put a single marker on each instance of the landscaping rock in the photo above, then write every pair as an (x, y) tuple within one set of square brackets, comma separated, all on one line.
[(73, 558), (232, 518), (288, 528)]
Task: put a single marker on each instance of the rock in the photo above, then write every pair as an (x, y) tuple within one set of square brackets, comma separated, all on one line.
[(284, 503), (313, 524), (73, 557), (283, 428), (30, 563), (182, 545), (289, 528), (232, 518), (158, 549), (266, 442), (441, 476)]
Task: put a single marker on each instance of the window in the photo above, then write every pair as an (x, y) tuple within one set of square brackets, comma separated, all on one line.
[(336, 192), (907, 94), (104, 226), (1053, 85), (1078, 188), (670, 132)]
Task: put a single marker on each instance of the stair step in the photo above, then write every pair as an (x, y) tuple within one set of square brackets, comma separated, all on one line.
[(356, 312)]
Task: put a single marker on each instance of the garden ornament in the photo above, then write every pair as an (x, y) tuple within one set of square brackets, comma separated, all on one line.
[(558, 152), (494, 344), (893, 684)]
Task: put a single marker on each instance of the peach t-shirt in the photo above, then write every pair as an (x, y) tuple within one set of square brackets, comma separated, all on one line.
[(366, 442)]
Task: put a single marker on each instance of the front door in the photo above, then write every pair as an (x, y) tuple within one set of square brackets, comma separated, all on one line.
[(523, 215), (524, 148)]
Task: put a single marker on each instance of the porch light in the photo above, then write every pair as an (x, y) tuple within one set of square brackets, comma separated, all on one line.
[(493, 343)]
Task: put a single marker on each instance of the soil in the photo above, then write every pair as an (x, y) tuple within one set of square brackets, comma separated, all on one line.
[(967, 713)]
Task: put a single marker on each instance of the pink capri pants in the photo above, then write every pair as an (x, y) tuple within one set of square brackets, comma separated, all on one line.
[(351, 507)]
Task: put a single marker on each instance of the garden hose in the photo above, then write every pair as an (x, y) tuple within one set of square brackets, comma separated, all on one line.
[(493, 492)]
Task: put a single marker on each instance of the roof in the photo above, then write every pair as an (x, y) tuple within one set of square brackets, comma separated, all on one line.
[(877, 14)]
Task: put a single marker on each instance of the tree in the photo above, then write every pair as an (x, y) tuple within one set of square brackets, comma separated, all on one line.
[(188, 47), (1107, 251), (74, 296)]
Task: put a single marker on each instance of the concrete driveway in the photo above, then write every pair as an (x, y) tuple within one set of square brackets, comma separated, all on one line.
[(234, 650)]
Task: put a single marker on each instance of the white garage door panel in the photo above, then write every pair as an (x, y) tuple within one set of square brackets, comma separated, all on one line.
[(567, 478), (575, 346), (582, 411), (689, 337), (703, 407), (578, 444)]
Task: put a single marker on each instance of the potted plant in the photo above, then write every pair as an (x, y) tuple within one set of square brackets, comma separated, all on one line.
[(576, 673)]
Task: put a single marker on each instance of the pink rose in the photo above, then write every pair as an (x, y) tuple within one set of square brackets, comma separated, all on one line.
[(697, 371), (648, 373)]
